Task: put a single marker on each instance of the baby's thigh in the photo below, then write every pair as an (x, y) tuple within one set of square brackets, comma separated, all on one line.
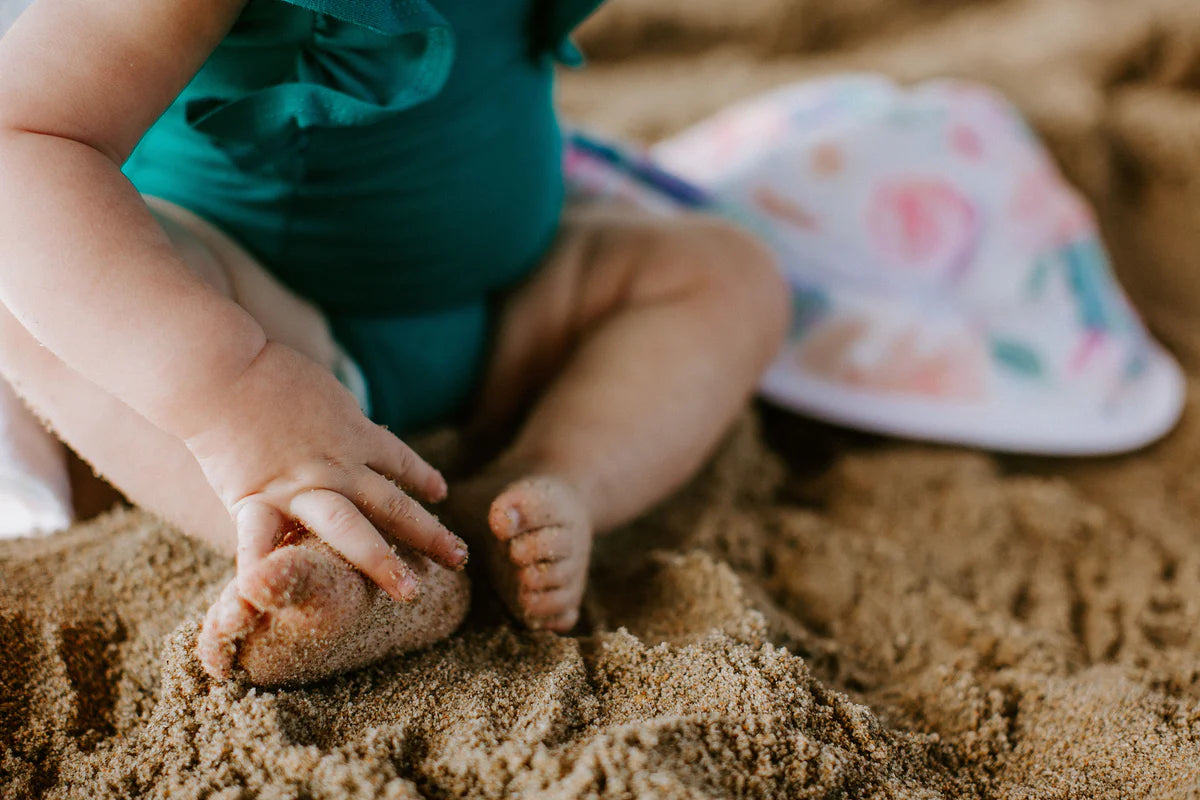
[(285, 317), (613, 257), (610, 259)]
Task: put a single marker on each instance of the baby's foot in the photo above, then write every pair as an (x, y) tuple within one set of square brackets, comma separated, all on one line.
[(304, 614), (536, 535)]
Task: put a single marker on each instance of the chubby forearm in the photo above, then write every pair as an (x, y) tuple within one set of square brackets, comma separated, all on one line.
[(87, 270)]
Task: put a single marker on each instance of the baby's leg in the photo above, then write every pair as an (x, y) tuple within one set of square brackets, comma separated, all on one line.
[(644, 337), (305, 613)]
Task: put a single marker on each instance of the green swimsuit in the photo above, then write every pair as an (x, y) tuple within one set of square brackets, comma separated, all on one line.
[(397, 162)]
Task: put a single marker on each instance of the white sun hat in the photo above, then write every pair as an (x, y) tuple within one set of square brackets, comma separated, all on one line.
[(949, 285)]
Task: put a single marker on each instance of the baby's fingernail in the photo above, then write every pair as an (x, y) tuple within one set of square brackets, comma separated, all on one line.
[(405, 589), (439, 489), (461, 553), (514, 519)]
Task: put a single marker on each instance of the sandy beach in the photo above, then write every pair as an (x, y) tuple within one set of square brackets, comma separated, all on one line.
[(819, 614)]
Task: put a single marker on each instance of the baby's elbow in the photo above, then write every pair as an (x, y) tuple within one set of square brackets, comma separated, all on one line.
[(14, 134)]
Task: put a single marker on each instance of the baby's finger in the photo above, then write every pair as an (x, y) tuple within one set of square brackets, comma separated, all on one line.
[(407, 521), (400, 462), (343, 527), (258, 526)]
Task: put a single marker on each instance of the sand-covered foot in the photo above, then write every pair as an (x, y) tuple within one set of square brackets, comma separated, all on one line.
[(536, 535), (305, 614)]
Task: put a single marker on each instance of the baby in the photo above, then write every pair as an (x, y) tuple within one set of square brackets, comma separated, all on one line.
[(247, 246)]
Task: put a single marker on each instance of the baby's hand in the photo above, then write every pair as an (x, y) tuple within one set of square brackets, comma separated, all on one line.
[(292, 444)]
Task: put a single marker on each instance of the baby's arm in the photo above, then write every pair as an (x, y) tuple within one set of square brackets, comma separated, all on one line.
[(83, 265), (89, 273)]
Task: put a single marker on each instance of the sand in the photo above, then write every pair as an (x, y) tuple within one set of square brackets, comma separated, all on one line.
[(820, 613)]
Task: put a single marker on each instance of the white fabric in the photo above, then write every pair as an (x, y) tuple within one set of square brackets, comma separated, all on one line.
[(35, 489), (350, 375)]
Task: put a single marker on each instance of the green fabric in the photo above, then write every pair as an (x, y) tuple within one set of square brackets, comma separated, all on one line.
[(395, 161), (419, 367)]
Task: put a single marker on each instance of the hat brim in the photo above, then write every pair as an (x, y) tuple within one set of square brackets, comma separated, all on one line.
[(1034, 421)]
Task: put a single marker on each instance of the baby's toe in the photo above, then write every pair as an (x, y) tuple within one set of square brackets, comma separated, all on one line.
[(548, 603), (532, 504), (227, 622), (547, 545), (559, 623), (546, 575)]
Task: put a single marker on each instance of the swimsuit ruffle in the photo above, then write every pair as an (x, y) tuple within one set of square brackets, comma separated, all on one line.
[(561, 17), (363, 62)]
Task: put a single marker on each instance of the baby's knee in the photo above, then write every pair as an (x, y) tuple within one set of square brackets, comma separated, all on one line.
[(738, 275), (717, 268)]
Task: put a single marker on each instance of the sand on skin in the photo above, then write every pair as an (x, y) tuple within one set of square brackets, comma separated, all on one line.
[(819, 614)]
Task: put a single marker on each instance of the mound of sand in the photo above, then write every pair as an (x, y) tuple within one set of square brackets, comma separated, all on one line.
[(819, 614)]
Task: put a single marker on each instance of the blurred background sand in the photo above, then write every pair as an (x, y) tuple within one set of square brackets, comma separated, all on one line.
[(820, 614)]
